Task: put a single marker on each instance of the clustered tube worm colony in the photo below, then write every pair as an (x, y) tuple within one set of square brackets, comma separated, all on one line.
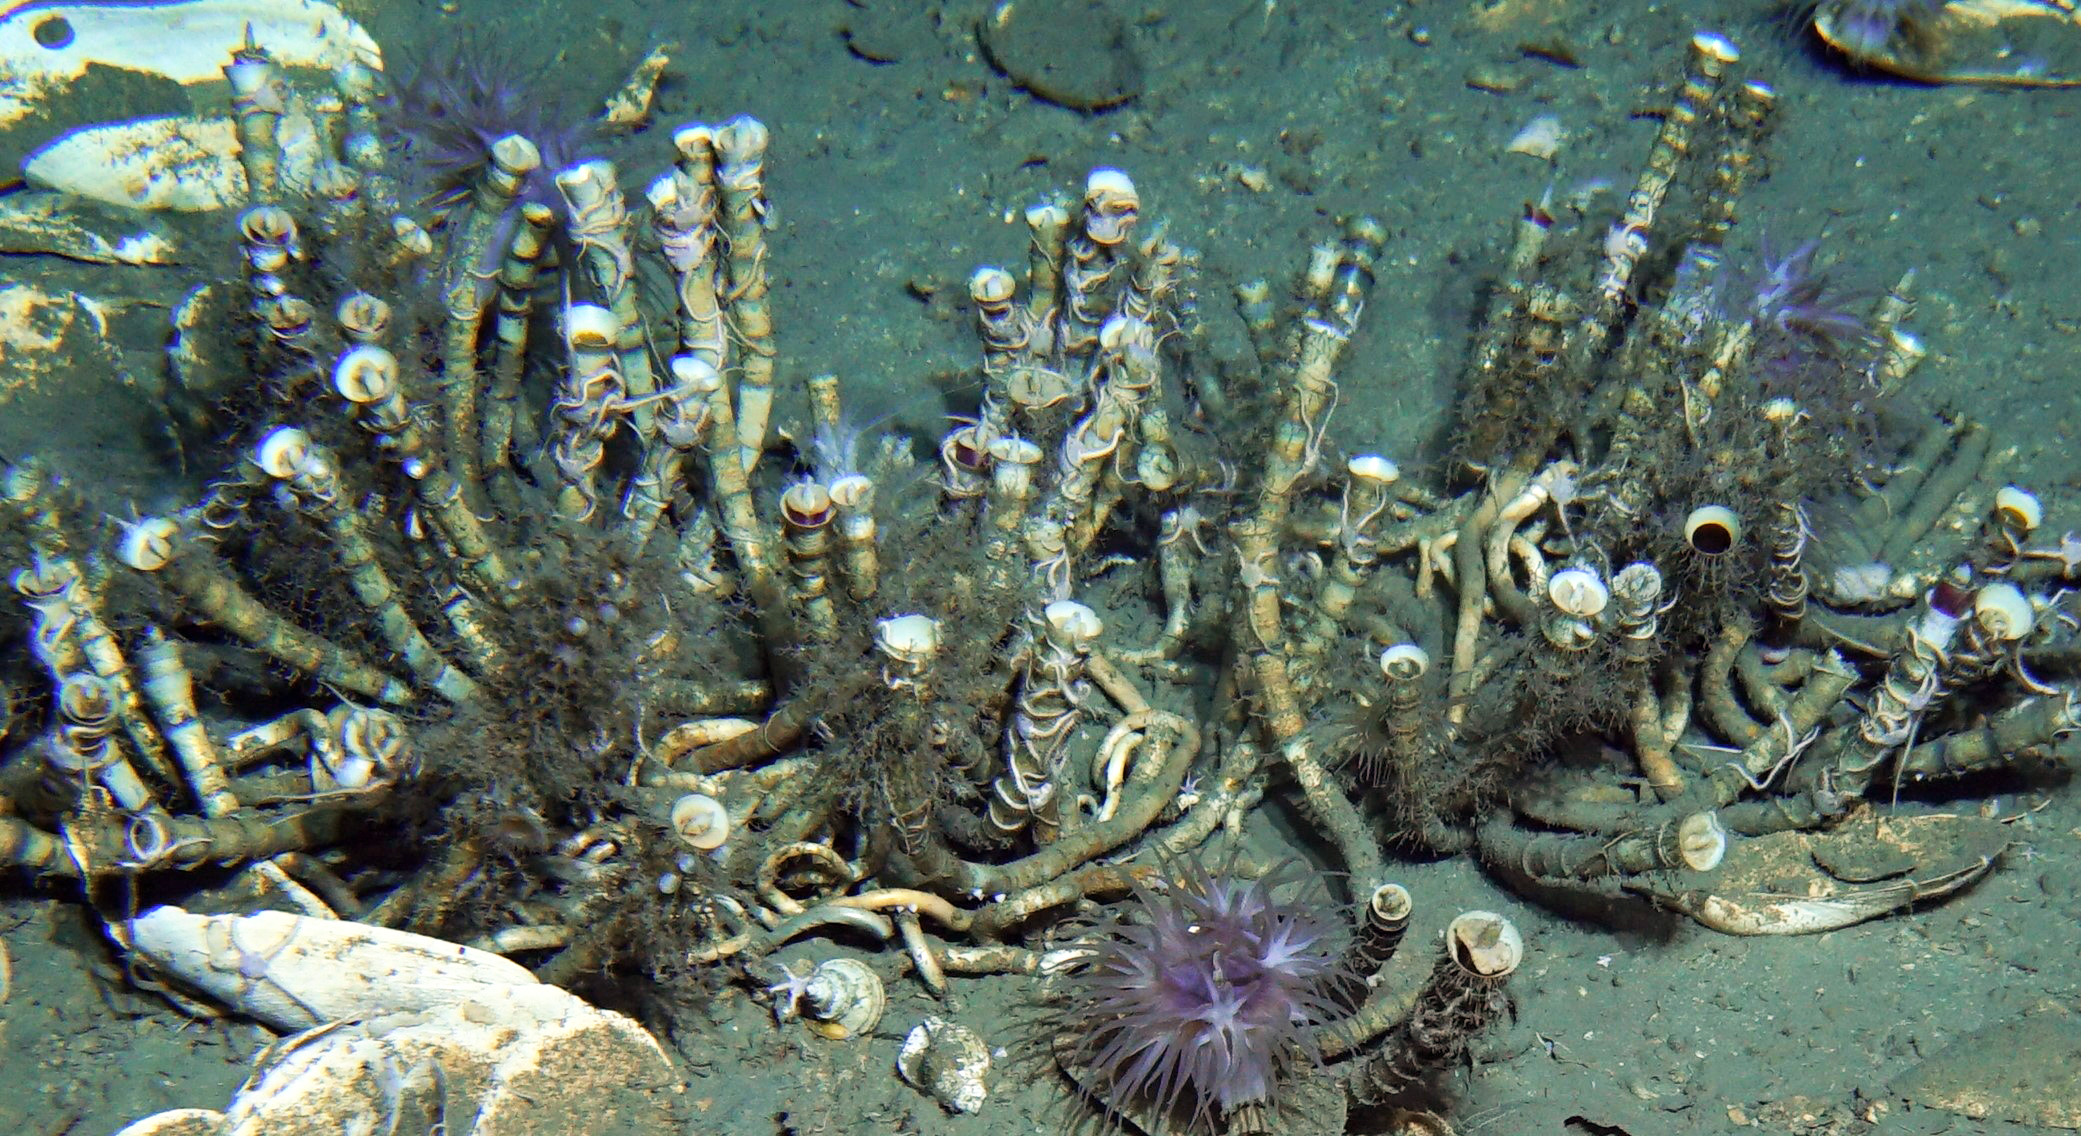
[(510, 619)]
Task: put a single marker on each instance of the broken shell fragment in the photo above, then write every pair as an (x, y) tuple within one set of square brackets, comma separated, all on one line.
[(1540, 138), (948, 1061)]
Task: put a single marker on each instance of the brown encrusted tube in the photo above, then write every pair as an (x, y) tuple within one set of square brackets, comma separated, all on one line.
[(922, 902), (200, 578), (769, 872), (781, 730), (759, 944), (1096, 880), (1464, 994), (2028, 727), (1716, 687), (183, 842), (24, 845), (1137, 812), (1471, 576), (1381, 926), (995, 959)]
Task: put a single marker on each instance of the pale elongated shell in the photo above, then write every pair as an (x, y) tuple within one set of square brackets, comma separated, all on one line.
[(180, 1122), (186, 163), (187, 41), (56, 223), (294, 972), (948, 1061)]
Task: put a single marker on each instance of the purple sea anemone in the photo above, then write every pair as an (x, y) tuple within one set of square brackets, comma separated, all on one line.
[(1792, 296), (1201, 998), (448, 106), (1807, 337)]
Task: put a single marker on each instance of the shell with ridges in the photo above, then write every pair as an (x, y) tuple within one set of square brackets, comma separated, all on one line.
[(948, 1061), (845, 999)]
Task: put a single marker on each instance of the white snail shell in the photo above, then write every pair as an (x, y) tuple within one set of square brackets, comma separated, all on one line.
[(948, 1061), (2003, 611), (844, 999), (1072, 626), (991, 285), (1701, 841), (365, 374), (147, 545), (908, 639), (283, 453), (1373, 469), (1712, 529), (1577, 592), (590, 327), (1404, 662), (2017, 506), (1391, 903), (1485, 944), (701, 821)]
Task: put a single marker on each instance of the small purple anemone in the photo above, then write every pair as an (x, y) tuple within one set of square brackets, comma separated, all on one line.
[(1202, 998), (1793, 296), (1806, 333), (448, 106)]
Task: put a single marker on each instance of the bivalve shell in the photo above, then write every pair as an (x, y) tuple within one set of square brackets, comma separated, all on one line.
[(180, 1122), (185, 163), (46, 47), (32, 222), (294, 972), (948, 1061), (127, 103)]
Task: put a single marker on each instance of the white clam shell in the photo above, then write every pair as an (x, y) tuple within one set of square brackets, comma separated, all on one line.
[(55, 223), (180, 1122), (295, 972), (173, 154), (948, 1061), (187, 163), (187, 41)]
